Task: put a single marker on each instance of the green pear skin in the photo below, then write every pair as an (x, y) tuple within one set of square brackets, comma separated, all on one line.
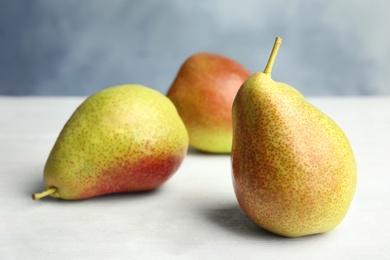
[(294, 172), (125, 138), (203, 93)]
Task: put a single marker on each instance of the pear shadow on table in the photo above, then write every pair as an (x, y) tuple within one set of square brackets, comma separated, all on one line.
[(125, 196), (195, 151), (232, 218)]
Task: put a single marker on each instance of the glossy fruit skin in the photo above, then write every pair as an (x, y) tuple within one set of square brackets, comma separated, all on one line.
[(294, 172), (125, 138), (203, 92)]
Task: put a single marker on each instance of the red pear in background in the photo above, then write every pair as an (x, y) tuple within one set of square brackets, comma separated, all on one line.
[(122, 139), (203, 93)]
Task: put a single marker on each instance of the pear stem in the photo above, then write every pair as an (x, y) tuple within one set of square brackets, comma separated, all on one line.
[(45, 193), (275, 49)]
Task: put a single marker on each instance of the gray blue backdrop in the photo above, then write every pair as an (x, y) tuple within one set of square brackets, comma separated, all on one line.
[(77, 47)]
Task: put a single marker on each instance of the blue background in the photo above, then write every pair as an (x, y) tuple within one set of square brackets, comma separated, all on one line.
[(77, 47)]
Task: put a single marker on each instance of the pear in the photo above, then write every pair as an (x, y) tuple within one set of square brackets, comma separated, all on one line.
[(293, 168), (203, 92), (125, 138)]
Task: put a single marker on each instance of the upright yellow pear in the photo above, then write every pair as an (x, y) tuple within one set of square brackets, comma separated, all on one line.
[(294, 172)]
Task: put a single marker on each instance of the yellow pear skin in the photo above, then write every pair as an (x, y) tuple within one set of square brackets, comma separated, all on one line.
[(293, 168), (125, 138)]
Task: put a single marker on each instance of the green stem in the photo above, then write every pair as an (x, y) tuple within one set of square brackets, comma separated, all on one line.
[(271, 60), (45, 193)]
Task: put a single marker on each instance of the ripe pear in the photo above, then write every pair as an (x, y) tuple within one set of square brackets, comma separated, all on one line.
[(124, 138), (293, 168), (203, 92)]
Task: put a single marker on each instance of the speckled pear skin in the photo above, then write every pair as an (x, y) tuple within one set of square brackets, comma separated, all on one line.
[(203, 92), (125, 138), (294, 172)]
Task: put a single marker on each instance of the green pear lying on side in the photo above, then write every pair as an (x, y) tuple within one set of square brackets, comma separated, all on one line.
[(125, 138)]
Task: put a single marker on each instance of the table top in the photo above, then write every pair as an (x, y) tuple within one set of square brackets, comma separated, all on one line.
[(195, 215)]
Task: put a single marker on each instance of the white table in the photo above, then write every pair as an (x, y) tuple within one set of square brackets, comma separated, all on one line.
[(195, 215)]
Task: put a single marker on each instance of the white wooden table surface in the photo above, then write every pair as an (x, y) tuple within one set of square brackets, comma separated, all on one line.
[(195, 215)]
